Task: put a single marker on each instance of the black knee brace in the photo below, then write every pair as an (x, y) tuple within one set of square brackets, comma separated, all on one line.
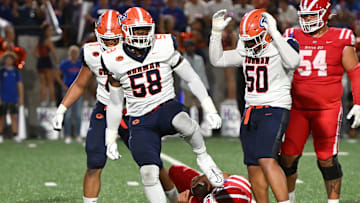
[(332, 172), (292, 169)]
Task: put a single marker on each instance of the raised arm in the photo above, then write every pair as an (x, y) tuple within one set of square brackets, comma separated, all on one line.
[(288, 54), (219, 57)]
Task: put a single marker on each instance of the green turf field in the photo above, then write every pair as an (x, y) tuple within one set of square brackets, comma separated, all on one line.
[(24, 171)]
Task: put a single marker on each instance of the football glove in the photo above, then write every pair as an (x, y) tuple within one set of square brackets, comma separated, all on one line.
[(211, 115), (269, 23), (355, 111), (59, 117), (111, 146), (218, 21)]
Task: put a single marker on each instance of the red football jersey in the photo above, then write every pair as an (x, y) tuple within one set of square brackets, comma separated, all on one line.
[(317, 80)]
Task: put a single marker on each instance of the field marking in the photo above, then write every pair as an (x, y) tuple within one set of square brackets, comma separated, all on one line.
[(32, 145), (172, 160), (133, 183), (313, 153), (50, 184), (351, 141)]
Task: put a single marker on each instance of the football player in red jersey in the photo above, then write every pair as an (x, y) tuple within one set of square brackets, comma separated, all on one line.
[(237, 189), (316, 94)]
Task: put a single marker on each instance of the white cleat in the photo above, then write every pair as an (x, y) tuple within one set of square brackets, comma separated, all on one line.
[(68, 140), (1, 139), (212, 172)]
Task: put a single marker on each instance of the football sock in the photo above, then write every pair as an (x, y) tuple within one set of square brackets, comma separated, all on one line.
[(155, 193), (333, 200), (292, 197), (172, 195), (90, 200)]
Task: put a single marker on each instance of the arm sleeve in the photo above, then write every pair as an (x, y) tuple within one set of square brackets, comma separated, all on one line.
[(114, 108), (18, 76), (288, 54), (187, 73), (219, 57), (354, 75)]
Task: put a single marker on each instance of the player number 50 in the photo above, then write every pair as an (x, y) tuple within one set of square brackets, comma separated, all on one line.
[(319, 63)]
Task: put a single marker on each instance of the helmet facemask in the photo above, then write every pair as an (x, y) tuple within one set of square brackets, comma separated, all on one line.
[(139, 41), (314, 25), (107, 36), (255, 46)]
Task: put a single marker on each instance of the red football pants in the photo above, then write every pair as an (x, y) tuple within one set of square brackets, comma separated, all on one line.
[(324, 125)]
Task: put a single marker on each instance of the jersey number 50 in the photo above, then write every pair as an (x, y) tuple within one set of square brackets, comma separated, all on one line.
[(152, 77), (259, 80)]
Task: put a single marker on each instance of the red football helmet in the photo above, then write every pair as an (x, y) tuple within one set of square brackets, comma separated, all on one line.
[(107, 27), (237, 189), (320, 8), (135, 19), (253, 33)]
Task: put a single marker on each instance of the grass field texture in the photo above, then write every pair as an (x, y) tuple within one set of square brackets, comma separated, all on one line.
[(26, 167)]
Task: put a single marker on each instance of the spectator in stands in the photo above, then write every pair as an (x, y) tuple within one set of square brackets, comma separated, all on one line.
[(12, 93), (69, 69), (229, 41), (196, 9), (287, 15), (97, 10), (7, 9), (8, 44), (240, 9), (125, 6), (44, 49), (70, 21), (176, 12)]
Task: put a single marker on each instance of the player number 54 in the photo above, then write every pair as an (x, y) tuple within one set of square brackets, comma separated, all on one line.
[(319, 63)]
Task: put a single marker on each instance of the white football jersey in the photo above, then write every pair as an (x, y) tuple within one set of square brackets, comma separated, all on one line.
[(92, 56), (267, 82), (146, 84)]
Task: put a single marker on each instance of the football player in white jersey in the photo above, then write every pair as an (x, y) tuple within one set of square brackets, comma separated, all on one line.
[(141, 71), (266, 58), (109, 34)]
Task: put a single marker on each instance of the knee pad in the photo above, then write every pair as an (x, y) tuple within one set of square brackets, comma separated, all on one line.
[(292, 169), (149, 174), (332, 172), (184, 124), (96, 161)]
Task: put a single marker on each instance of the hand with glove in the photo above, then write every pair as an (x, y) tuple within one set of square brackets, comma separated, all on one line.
[(355, 111), (270, 24), (59, 117), (219, 22), (111, 146), (211, 115)]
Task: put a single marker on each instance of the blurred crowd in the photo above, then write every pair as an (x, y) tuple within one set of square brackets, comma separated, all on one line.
[(46, 33)]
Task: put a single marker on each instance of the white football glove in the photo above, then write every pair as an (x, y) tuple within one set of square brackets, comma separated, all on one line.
[(355, 111), (111, 146), (211, 115), (218, 21), (269, 23), (214, 120), (59, 117)]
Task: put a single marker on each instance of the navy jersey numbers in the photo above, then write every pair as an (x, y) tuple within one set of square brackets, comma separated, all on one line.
[(153, 78), (257, 78)]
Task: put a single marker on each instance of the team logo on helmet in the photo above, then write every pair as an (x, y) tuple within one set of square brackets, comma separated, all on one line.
[(262, 21), (122, 17)]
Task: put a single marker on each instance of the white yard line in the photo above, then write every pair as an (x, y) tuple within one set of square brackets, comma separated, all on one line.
[(172, 160)]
